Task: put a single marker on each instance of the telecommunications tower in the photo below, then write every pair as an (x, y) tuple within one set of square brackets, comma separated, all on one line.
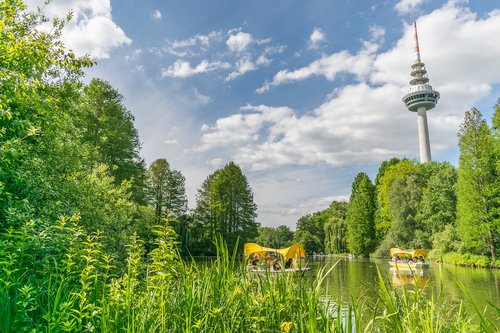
[(420, 98)]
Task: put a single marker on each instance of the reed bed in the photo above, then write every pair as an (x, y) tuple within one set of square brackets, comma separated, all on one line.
[(59, 280)]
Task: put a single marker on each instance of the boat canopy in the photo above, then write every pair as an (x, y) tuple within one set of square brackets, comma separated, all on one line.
[(295, 251), (413, 253)]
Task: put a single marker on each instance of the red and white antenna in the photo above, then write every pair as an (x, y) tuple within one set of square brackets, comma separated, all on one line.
[(415, 39)]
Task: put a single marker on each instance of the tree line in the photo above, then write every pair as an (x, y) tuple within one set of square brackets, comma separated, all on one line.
[(453, 211)]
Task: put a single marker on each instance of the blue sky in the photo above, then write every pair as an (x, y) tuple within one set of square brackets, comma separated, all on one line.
[(303, 95)]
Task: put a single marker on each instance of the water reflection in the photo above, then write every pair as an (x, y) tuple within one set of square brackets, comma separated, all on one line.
[(358, 278), (418, 278)]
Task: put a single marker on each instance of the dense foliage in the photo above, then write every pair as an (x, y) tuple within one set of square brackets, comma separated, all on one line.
[(279, 237), (225, 207)]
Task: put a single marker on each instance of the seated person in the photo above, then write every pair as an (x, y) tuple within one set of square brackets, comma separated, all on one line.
[(255, 261), (276, 264), (288, 263)]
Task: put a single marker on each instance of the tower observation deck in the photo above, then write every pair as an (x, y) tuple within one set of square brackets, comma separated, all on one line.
[(420, 98)]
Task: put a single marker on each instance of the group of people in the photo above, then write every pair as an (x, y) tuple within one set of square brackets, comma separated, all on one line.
[(256, 261), (397, 259)]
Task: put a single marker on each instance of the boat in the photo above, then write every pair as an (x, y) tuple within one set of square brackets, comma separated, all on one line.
[(261, 259), (413, 260)]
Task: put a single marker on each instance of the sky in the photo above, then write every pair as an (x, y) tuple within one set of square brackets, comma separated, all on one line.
[(302, 95)]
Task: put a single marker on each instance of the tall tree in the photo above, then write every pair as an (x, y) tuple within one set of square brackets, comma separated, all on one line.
[(478, 191), (439, 200), (167, 191), (392, 170), (404, 198), (361, 216), (336, 228), (225, 206), (109, 127)]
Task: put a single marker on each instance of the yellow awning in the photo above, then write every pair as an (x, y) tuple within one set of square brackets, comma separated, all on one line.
[(295, 251), (413, 253)]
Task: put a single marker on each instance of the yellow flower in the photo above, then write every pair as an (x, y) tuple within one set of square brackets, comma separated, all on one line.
[(237, 290), (286, 326)]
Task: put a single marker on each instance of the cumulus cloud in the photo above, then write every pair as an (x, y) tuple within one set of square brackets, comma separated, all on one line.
[(407, 6), (183, 69), (366, 122), (317, 37), (240, 128), (92, 30), (239, 42), (328, 66), (156, 16)]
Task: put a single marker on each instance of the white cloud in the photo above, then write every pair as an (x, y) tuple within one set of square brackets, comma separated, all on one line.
[(183, 69), (216, 162), (377, 33), (170, 142), (366, 122), (328, 66), (240, 128), (92, 30), (317, 37), (239, 42), (192, 46), (156, 16), (244, 65), (134, 55), (407, 6)]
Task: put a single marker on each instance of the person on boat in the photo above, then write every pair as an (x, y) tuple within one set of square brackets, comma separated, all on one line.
[(276, 264), (396, 258), (421, 259), (288, 263), (256, 260), (410, 260), (268, 261)]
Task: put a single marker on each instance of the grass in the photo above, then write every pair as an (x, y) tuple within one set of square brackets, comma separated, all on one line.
[(75, 289)]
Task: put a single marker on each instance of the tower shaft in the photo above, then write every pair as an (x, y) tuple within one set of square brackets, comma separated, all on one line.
[(423, 136)]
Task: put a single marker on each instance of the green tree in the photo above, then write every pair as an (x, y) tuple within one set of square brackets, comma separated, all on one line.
[(439, 200), (279, 237), (109, 127), (478, 191), (166, 190), (336, 228), (225, 207), (388, 172), (311, 231), (360, 216), (404, 198)]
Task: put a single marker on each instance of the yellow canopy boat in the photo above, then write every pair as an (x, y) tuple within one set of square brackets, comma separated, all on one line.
[(266, 259), (404, 259)]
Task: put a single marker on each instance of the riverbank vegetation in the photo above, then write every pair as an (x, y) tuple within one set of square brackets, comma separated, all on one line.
[(91, 239)]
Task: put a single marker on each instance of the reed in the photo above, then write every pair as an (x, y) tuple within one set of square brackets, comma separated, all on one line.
[(75, 290)]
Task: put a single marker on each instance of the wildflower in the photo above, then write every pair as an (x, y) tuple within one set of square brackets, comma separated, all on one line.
[(237, 290), (286, 326)]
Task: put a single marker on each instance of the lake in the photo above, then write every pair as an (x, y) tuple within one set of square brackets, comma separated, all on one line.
[(358, 277)]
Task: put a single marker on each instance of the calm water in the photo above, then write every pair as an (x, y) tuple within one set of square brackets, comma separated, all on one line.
[(358, 277)]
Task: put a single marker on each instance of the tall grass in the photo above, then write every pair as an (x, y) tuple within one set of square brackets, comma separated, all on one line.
[(56, 279)]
